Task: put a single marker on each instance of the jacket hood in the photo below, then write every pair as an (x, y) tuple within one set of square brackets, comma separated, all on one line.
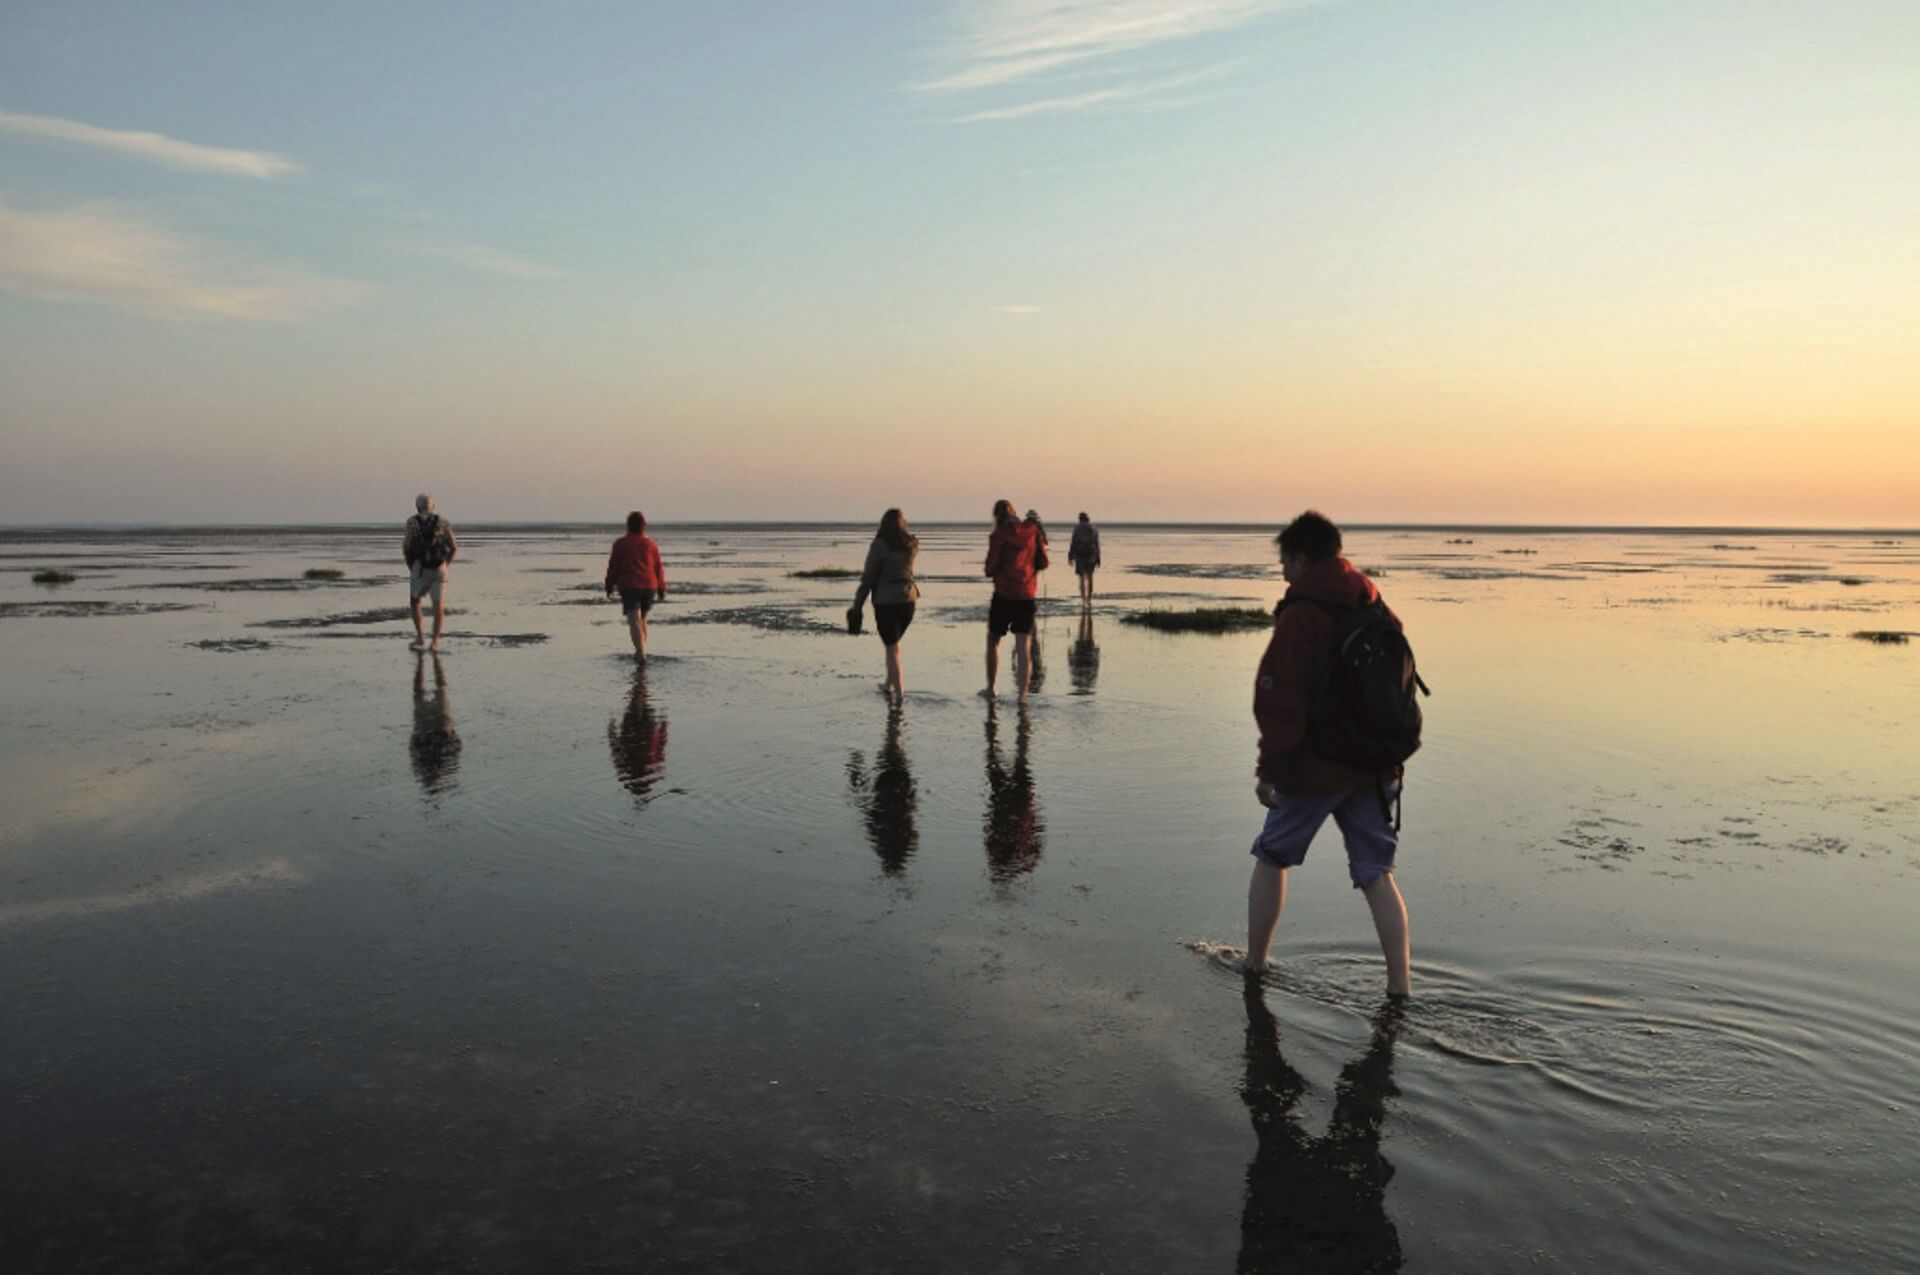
[(1335, 582)]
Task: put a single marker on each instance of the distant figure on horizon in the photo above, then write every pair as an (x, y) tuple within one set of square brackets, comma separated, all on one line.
[(633, 567), (1016, 552), (1083, 551), (1033, 516), (1323, 749), (429, 548), (888, 577)]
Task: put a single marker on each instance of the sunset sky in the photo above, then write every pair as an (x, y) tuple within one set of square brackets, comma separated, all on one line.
[(1159, 259)]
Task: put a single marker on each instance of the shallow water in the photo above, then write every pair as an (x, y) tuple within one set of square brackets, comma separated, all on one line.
[(316, 954)]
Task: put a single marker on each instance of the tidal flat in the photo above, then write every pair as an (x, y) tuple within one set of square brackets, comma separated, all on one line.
[(324, 955)]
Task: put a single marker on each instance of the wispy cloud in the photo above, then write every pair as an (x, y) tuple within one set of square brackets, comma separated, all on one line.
[(155, 148), (96, 253), (1001, 42), (1143, 96), (484, 259), (1016, 309)]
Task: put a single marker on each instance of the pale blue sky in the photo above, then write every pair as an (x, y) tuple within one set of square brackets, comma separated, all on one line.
[(1163, 258)]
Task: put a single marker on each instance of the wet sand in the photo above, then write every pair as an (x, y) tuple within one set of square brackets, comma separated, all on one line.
[(318, 954)]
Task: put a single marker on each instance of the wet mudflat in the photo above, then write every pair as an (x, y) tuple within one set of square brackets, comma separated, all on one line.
[(319, 954)]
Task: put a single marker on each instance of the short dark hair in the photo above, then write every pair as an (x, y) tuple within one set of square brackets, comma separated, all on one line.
[(1312, 536), (636, 523), (1002, 509)]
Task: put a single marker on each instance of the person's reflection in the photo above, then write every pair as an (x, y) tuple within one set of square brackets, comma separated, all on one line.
[(435, 746), (888, 800), (1015, 833), (1317, 1204), (1083, 659), (1037, 678), (638, 741)]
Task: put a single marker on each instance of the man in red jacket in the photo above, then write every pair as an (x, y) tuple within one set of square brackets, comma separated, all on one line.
[(1299, 788), (633, 567), (1016, 551)]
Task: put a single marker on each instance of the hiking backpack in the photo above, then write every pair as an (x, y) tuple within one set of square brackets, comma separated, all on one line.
[(1365, 710), (430, 545)]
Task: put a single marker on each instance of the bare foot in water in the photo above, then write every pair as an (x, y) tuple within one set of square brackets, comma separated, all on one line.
[(987, 694)]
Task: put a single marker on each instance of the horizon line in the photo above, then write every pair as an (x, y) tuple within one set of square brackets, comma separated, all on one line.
[(538, 524)]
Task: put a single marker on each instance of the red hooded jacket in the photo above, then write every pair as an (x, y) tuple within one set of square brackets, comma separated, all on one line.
[(1011, 551), (1293, 664), (635, 564)]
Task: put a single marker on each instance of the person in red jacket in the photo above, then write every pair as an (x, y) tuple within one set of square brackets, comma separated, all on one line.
[(1016, 551), (634, 568), (1300, 789)]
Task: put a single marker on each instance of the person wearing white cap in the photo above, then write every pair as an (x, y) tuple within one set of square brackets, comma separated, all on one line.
[(428, 547)]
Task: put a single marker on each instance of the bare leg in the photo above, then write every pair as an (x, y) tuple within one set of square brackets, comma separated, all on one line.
[(1022, 662), (1086, 588), (1390, 922), (637, 631), (1266, 898), (439, 617), (419, 631), (644, 634), (894, 684), (993, 664)]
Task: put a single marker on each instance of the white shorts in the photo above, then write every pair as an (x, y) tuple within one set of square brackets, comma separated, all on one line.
[(427, 580)]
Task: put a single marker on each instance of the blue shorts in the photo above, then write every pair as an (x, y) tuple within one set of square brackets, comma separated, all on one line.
[(1371, 840), (632, 600)]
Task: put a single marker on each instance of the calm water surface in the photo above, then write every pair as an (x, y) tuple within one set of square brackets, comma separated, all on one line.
[(319, 955)]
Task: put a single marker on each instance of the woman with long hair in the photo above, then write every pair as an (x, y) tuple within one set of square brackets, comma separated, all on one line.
[(889, 578)]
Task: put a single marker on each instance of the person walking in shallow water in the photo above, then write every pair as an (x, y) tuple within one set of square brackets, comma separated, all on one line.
[(429, 548), (633, 567), (1016, 552), (1298, 785), (888, 577), (1083, 551)]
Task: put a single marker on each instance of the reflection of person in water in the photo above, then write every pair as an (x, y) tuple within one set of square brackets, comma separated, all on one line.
[(888, 799), (435, 747), (638, 741), (1317, 1204), (1084, 657), (1015, 833)]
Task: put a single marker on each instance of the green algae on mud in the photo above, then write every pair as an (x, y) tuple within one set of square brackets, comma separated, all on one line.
[(1886, 637), (825, 573), (51, 576), (325, 573), (1201, 620)]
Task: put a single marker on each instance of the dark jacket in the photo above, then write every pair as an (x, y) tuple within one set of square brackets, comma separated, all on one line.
[(889, 573), (1083, 551), (1293, 665)]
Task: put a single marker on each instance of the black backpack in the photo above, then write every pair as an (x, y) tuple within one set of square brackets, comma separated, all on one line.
[(430, 546), (1365, 711)]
